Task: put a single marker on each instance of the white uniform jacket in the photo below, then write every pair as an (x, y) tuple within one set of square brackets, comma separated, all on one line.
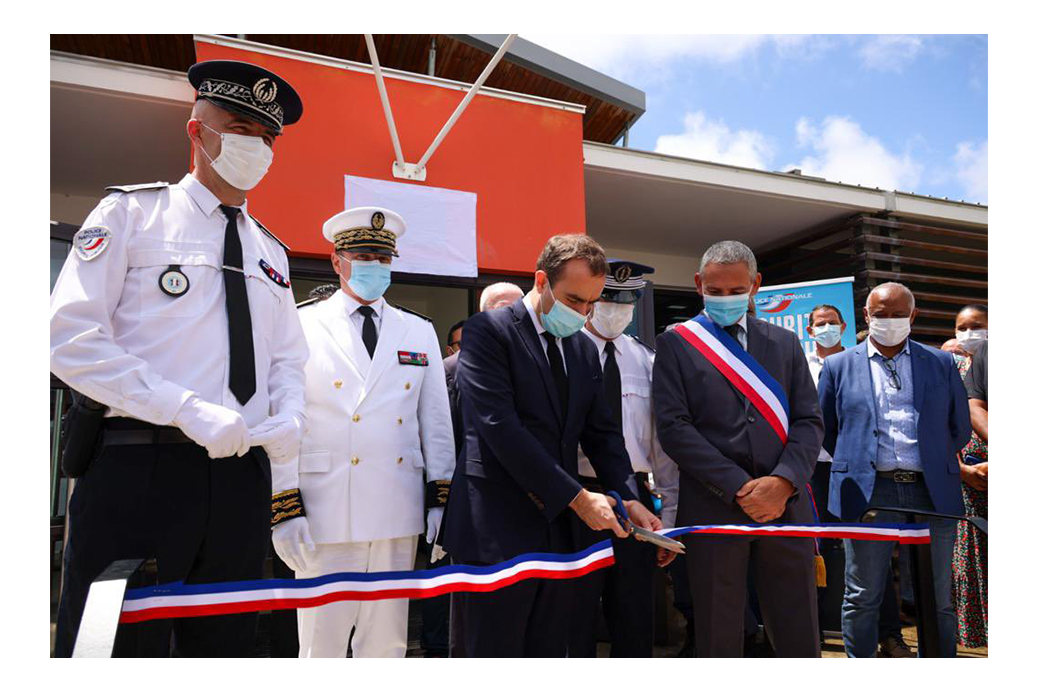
[(639, 421), (371, 429), (118, 338)]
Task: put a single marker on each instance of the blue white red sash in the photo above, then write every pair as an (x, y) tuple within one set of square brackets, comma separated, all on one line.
[(194, 600), (741, 369)]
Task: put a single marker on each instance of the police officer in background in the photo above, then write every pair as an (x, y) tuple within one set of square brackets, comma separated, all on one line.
[(626, 589), (377, 417), (174, 311)]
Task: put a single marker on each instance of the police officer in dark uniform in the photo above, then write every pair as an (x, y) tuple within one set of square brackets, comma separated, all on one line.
[(175, 313)]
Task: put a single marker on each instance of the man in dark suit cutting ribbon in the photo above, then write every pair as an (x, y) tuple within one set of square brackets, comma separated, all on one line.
[(532, 390), (738, 412)]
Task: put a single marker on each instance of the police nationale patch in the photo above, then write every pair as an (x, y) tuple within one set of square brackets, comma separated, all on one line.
[(412, 358), (91, 242), (274, 275)]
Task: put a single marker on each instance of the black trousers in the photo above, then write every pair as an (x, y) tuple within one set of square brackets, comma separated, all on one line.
[(203, 520), (526, 619), (435, 636), (626, 591)]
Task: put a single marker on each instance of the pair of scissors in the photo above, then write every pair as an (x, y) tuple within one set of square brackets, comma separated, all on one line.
[(643, 534)]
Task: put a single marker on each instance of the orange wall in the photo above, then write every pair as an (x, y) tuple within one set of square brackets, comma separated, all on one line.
[(524, 162)]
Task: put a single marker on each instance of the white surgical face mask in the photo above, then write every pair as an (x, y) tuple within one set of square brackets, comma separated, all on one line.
[(889, 331), (611, 319), (243, 160), (971, 339), (827, 335)]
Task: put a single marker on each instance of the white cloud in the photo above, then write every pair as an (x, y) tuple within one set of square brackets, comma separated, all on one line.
[(625, 55), (713, 140), (890, 52), (844, 152), (971, 163)]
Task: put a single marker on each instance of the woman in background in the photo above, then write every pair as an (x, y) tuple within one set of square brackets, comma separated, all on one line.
[(970, 558)]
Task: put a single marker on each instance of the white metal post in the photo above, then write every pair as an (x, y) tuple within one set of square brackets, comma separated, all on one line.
[(385, 100), (465, 102)]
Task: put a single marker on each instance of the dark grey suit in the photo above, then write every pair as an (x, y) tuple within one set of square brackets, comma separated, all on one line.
[(719, 442), (450, 369)]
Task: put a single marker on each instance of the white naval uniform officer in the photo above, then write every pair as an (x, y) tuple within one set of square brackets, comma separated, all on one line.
[(378, 442), (626, 589), (174, 311)]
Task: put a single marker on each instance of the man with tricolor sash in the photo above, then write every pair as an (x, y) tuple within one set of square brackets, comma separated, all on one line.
[(738, 412)]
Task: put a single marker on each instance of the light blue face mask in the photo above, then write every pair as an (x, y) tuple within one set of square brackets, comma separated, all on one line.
[(562, 320), (827, 335), (369, 280), (726, 310)]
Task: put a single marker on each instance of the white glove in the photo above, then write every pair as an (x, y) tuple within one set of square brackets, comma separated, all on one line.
[(289, 537), (280, 436), (432, 524), (220, 430)]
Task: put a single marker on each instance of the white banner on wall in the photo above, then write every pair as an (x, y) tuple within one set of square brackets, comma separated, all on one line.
[(441, 224)]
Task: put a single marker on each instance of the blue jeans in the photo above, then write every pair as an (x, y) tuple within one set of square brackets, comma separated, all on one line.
[(868, 562)]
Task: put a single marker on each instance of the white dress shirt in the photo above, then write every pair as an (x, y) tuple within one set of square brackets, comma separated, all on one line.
[(814, 364), (541, 331), (639, 423), (118, 338), (352, 306)]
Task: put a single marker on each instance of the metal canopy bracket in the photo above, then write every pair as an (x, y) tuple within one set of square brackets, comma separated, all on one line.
[(408, 171), (416, 171)]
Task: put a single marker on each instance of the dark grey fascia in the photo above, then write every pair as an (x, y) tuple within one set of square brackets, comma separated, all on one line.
[(561, 69)]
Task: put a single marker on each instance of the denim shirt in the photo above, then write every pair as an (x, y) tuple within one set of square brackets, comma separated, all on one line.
[(896, 416)]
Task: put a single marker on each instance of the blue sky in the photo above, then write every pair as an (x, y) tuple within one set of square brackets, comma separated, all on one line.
[(905, 112)]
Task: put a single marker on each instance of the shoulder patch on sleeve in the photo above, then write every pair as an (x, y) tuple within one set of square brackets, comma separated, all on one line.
[(639, 340), (137, 188), (267, 231), (412, 312), (91, 241)]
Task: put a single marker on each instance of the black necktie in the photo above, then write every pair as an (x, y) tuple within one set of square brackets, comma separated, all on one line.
[(611, 375), (558, 373), (239, 320), (369, 334)]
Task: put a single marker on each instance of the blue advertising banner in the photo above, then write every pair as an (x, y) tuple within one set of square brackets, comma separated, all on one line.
[(789, 306)]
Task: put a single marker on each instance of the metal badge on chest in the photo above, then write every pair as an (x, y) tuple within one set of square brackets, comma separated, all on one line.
[(173, 282)]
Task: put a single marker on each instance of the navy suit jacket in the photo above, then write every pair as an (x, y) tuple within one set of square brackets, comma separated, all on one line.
[(718, 442), (851, 432), (517, 471)]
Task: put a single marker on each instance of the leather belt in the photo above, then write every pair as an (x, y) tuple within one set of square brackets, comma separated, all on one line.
[(127, 431), (901, 476)]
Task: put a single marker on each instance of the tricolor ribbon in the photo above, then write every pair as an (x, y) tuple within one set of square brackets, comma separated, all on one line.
[(177, 600)]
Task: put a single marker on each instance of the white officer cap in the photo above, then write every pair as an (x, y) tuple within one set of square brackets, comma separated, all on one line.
[(365, 229)]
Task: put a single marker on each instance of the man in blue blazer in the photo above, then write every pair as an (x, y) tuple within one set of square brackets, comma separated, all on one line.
[(896, 415), (531, 390)]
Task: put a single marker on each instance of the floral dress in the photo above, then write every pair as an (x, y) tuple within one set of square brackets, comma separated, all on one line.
[(970, 558)]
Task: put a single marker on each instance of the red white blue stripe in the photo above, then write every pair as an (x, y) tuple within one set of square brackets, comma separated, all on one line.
[(177, 599), (741, 369)]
